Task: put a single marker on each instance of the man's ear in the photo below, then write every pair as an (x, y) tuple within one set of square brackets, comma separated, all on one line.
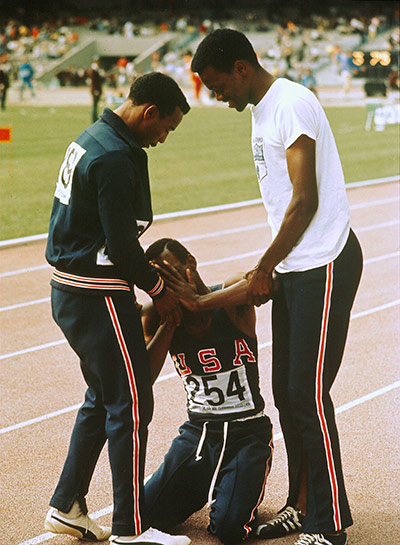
[(241, 68), (191, 262), (151, 112)]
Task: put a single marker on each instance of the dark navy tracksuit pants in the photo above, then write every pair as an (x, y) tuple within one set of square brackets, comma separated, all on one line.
[(310, 318), (181, 485), (106, 334)]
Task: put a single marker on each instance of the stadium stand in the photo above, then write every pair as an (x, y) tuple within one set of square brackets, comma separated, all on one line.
[(129, 42)]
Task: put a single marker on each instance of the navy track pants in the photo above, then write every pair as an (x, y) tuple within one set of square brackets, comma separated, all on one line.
[(106, 333), (181, 485), (310, 319)]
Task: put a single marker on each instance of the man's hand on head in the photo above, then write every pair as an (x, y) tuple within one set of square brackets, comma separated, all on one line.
[(185, 289)]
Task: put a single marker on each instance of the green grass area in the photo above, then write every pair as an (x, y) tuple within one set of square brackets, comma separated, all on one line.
[(207, 161)]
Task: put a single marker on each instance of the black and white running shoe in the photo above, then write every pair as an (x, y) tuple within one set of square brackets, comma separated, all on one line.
[(75, 523), (287, 522), (322, 539)]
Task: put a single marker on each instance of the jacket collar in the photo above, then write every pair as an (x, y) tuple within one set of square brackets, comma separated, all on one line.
[(112, 119)]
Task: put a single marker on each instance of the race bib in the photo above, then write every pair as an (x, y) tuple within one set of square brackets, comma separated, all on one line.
[(64, 182), (221, 393)]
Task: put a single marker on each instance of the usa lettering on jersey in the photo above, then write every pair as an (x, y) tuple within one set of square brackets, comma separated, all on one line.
[(216, 391), (209, 359), (64, 182)]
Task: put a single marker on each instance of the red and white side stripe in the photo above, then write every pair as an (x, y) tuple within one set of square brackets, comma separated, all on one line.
[(261, 496), (89, 282), (319, 395), (135, 411)]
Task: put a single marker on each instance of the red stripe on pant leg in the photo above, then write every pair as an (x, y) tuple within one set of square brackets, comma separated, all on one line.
[(267, 470), (319, 394), (135, 411)]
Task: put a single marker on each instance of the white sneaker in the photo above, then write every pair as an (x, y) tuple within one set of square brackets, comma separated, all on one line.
[(75, 523), (151, 536)]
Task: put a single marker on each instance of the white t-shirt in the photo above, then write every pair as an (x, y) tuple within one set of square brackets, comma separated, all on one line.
[(287, 111)]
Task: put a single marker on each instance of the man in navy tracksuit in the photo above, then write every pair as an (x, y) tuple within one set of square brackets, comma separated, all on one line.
[(102, 205)]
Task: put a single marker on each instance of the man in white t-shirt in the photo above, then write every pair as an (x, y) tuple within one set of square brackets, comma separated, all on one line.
[(319, 262)]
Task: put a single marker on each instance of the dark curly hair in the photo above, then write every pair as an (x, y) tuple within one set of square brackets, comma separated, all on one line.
[(174, 246), (220, 50), (161, 90)]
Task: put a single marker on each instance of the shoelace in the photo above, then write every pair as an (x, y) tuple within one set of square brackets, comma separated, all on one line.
[(308, 539), (286, 515)]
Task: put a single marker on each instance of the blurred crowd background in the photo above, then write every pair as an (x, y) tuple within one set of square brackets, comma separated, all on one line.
[(88, 43)]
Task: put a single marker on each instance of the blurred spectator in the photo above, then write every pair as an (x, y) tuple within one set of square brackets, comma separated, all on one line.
[(394, 39), (373, 28), (181, 24), (122, 62), (128, 29), (26, 74), (287, 50), (194, 78), (156, 62), (131, 72), (348, 69), (4, 85), (343, 61), (96, 76), (308, 80), (358, 27)]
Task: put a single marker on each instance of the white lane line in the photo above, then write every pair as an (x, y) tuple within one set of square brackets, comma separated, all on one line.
[(26, 270), (231, 231), (223, 232), (40, 419), (32, 349), (26, 304), (365, 183), (380, 258), (277, 437), (375, 309), (260, 251), (376, 226), (378, 202), (367, 397), (168, 376)]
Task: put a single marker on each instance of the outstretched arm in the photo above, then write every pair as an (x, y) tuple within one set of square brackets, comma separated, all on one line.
[(233, 294)]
